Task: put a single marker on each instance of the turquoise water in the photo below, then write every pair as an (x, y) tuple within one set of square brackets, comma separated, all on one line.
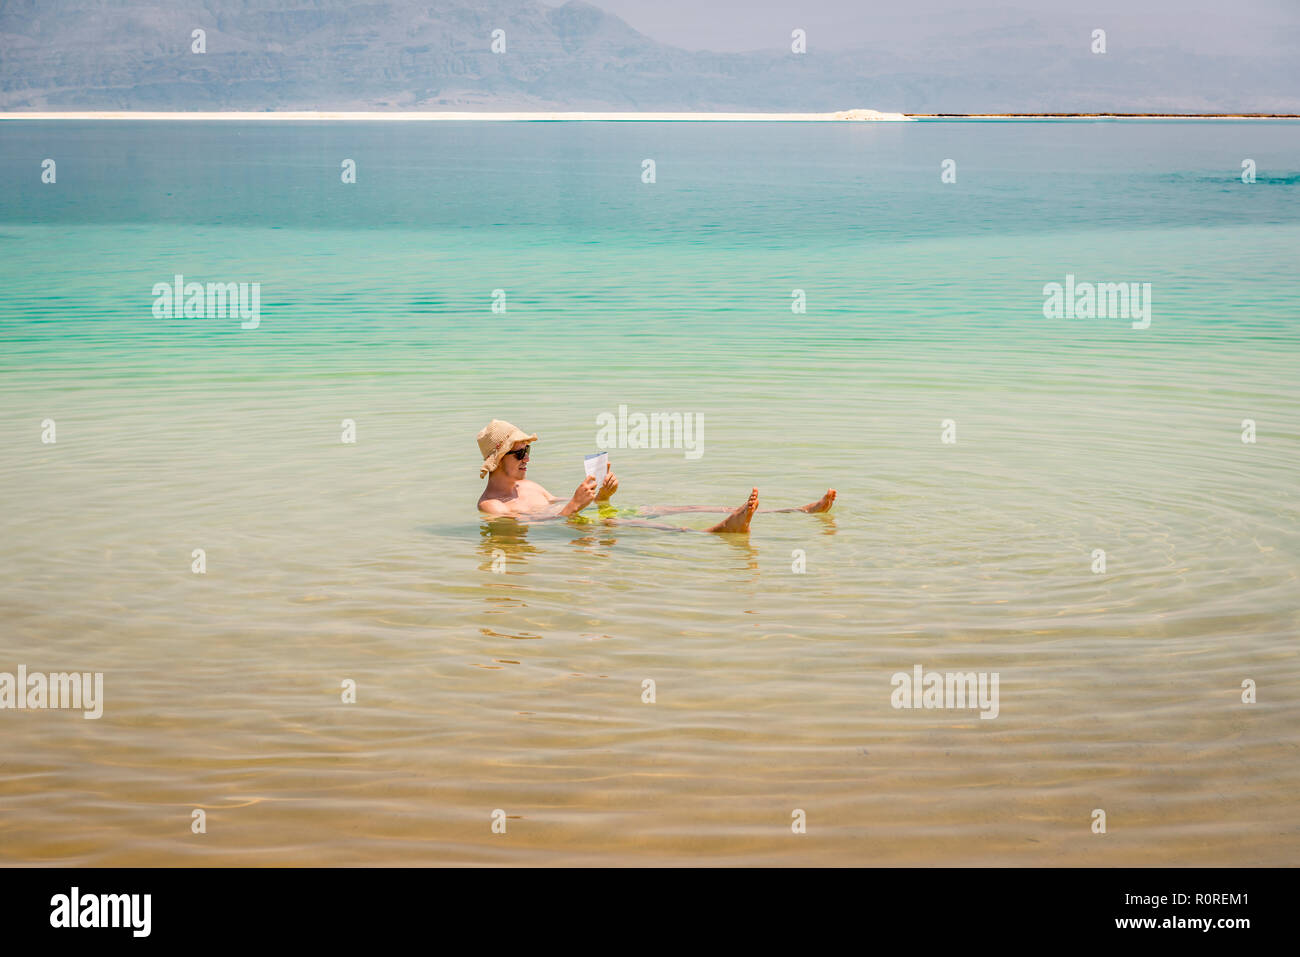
[(522, 690)]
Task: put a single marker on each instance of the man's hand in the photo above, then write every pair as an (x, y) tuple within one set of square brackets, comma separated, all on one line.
[(609, 488), (583, 496)]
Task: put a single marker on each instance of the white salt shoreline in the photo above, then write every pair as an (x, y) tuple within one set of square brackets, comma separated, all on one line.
[(851, 116)]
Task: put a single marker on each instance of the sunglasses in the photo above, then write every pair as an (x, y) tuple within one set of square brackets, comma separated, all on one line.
[(520, 454)]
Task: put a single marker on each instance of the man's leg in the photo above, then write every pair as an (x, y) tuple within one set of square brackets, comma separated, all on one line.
[(651, 511), (823, 504), (737, 521)]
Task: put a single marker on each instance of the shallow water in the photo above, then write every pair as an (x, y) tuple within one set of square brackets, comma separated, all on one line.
[(521, 690)]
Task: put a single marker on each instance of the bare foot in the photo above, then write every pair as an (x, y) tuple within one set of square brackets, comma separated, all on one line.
[(738, 521), (823, 504)]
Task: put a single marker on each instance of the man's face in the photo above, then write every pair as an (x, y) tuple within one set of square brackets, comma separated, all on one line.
[(514, 468)]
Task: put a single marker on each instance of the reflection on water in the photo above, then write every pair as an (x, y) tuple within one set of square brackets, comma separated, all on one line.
[(504, 542)]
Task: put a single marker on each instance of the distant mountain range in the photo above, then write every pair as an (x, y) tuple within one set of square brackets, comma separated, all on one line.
[(400, 54)]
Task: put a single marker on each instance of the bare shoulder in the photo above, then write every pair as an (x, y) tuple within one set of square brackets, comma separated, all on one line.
[(493, 506)]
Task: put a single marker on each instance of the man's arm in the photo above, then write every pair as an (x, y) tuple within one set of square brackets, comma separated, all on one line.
[(603, 494), (493, 507), (582, 497), (499, 510)]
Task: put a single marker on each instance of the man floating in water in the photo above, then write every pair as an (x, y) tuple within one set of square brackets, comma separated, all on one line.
[(510, 493)]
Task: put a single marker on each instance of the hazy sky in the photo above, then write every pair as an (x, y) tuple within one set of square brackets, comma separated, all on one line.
[(1208, 26)]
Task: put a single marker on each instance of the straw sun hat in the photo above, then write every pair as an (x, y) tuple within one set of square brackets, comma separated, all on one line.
[(495, 441)]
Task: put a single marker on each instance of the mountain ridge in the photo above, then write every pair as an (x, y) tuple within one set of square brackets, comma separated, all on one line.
[(405, 54)]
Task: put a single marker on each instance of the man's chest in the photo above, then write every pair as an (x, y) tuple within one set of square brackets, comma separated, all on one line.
[(531, 497)]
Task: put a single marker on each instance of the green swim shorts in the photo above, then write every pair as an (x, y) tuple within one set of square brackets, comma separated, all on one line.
[(599, 513)]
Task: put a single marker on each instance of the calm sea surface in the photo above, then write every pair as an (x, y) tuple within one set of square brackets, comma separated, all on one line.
[(521, 689)]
